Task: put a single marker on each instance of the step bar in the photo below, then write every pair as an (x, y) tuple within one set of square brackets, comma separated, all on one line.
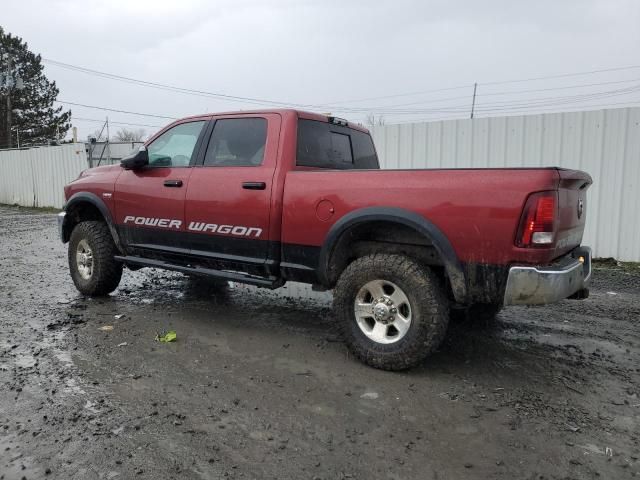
[(266, 282)]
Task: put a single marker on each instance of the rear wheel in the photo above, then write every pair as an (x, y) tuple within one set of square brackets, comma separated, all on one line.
[(92, 265), (391, 311)]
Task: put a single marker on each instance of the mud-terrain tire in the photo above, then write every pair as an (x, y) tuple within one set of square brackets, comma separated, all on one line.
[(415, 292), (477, 315), (93, 268)]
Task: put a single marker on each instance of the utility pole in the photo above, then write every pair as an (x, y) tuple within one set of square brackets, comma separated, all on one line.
[(93, 142), (8, 87), (108, 143), (473, 102)]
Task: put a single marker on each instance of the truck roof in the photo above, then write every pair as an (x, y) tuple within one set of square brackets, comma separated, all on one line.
[(284, 112)]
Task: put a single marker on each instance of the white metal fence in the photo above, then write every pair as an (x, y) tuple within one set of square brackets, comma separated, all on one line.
[(35, 177), (103, 153), (604, 143)]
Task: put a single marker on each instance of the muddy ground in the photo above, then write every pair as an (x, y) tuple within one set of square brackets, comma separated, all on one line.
[(258, 385)]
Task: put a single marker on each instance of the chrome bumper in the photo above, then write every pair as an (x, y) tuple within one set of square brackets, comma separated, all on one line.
[(540, 285), (61, 217)]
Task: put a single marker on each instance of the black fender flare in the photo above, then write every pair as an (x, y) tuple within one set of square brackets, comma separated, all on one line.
[(441, 243), (93, 199)]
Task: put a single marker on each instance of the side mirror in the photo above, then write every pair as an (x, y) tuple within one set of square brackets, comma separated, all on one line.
[(136, 160)]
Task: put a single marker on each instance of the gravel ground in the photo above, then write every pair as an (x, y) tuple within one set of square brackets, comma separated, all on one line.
[(258, 385)]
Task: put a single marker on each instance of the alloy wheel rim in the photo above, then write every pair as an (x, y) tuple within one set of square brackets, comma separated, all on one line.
[(84, 259), (382, 311)]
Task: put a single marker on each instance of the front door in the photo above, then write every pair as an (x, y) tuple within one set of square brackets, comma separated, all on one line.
[(149, 202), (228, 200)]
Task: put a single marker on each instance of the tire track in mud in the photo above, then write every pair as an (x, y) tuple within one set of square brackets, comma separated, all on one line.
[(258, 387)]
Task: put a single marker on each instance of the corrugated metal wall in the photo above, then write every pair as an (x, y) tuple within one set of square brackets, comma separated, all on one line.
[(604, 143), (35, 177)]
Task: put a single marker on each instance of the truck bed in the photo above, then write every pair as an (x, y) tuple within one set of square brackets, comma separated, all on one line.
[(478, 210)]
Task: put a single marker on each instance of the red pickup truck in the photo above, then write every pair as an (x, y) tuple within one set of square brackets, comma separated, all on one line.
[(272, 196)]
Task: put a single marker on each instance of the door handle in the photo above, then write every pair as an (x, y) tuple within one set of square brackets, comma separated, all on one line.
[(254, 185), (173, 183)]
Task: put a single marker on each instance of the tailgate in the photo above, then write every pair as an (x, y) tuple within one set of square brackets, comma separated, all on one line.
[(572, 208)]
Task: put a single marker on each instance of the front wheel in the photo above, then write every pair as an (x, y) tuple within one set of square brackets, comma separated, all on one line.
[(93, 267), (391, 311)]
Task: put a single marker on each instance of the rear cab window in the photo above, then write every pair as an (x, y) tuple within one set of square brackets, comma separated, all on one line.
[(336, 147)]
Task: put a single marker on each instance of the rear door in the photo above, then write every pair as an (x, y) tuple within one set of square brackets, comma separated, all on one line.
[(228, 200), (149, 202)]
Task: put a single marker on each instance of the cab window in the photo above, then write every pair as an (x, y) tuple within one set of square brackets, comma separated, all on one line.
[(175, 147), (237, 142), (324, 145)]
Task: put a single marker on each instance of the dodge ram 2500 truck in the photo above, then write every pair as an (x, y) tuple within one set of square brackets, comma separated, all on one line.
[(266, 197)]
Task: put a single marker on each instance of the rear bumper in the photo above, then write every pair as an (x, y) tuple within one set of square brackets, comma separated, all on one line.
[(539, 285)]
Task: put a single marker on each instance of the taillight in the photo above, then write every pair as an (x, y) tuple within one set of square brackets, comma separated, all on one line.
[(538, 223)]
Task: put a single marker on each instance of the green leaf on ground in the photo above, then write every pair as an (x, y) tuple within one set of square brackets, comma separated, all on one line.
[(170, 336)]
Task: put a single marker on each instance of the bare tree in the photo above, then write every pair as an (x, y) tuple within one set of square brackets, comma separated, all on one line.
[(372, 120), (127, 135)]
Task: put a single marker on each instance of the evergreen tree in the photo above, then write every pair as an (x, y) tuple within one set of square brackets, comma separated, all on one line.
[(32, 116)]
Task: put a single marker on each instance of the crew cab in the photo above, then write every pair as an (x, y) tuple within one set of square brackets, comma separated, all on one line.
[(266, 197)]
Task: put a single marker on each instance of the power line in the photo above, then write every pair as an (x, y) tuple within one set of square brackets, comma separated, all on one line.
[(515, 92), (582, 85), (420, 102), (505, 104), (204, 93), (543, 109), (387, 110), (452, 109), (109, 109), (551, 101), (632, 103), (173, 88), (115, 110), (486, 107), (399, 95), (564, 75), (115, 123)]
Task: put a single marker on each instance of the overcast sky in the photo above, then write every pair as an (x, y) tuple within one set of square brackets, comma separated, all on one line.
[(319, 53)]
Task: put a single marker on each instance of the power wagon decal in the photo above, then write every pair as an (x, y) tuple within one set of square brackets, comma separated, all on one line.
[(237, 230), (154, 222)]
